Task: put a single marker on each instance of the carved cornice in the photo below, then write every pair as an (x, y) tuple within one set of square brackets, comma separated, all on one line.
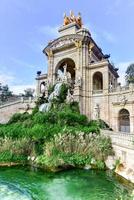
[(98, 64), (66, 41), (122, 104), (42, 77)]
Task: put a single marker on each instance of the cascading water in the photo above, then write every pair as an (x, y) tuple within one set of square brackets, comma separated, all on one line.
[(45, 107)]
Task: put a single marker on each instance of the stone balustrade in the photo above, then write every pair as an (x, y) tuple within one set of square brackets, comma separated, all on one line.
[(122, 88), (120, 138)]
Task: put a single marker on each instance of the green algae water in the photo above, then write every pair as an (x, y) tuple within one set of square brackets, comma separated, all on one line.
[(25, 184)]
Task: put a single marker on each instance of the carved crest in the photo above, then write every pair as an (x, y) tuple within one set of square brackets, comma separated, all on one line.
[(78, 44)]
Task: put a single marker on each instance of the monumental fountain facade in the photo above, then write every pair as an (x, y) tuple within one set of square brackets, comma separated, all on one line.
[(94, 80)]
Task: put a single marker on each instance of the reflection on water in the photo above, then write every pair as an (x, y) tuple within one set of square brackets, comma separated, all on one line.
[(9, 192), (23, 184)]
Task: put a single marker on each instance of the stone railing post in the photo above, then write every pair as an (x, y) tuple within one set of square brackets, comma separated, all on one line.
[(22, 99), (131, 86)]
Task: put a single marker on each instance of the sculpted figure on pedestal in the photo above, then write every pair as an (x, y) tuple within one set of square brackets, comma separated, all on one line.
[(78, 81), (66, 20), (97, 112), (72, 18), (79, 20)]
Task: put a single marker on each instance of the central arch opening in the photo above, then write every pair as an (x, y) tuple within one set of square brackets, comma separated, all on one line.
[(70, 67), (124, 121)]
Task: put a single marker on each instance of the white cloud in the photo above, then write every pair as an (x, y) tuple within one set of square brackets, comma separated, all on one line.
[(49, 30), (17, 89), (6, 78), (22, 63)]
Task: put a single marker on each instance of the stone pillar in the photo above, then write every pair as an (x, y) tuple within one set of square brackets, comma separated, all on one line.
[(78, 75), (37, 87), (51, 73), (115, 124), (132, 124), (105, 82), (84, 78), (131, 86), (118, 88)]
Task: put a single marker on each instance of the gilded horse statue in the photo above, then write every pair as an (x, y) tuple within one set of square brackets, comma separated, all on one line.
[(79, 20), (72, 18), (66, 20)]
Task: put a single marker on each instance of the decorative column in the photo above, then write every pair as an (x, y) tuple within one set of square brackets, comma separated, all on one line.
[(51, 74), (132, 124), (78, 74), (84, 78), (38, 84)]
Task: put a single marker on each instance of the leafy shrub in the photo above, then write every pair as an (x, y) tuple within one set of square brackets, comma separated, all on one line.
[(37, 132), (15, 118), (72, 119), (74, 106), (76, 150), (14, 150), (35, 110), (100, 123), (19, 117), (5, 156)]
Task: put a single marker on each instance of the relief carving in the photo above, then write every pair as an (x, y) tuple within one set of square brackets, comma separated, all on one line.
[(78, 44)]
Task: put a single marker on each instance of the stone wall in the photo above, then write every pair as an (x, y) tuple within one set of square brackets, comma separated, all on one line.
[(123, 145)]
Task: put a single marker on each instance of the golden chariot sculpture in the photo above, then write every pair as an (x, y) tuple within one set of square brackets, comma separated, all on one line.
[(72, 18)]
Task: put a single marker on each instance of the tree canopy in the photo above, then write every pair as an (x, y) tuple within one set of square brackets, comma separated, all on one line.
[(29, 92), (130, 73), (5, 93)]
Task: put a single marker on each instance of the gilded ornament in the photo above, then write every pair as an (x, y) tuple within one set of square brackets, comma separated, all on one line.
[(78, 44), (72, 18), (50, 53)]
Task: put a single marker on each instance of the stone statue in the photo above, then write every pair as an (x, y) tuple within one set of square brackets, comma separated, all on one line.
[(79, 20), (72, 17), (78, 81), (66, 20), (27, 107), (123, 100), (97, 112), (65, 69), (70, 97)]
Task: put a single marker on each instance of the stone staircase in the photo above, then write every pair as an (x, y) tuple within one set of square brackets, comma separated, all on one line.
[(18, 105)]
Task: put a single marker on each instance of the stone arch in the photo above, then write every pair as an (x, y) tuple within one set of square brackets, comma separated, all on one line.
[(124, 120), (98, 81), (70, 66)]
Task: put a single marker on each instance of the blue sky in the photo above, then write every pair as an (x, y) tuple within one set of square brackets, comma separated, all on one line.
[(26, 26)]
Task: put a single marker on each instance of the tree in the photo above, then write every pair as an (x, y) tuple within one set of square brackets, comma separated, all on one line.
[(130, 74), (29, 92), (5, 93)]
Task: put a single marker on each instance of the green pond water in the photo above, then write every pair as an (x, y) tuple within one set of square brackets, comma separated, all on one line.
[(25, 184)]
